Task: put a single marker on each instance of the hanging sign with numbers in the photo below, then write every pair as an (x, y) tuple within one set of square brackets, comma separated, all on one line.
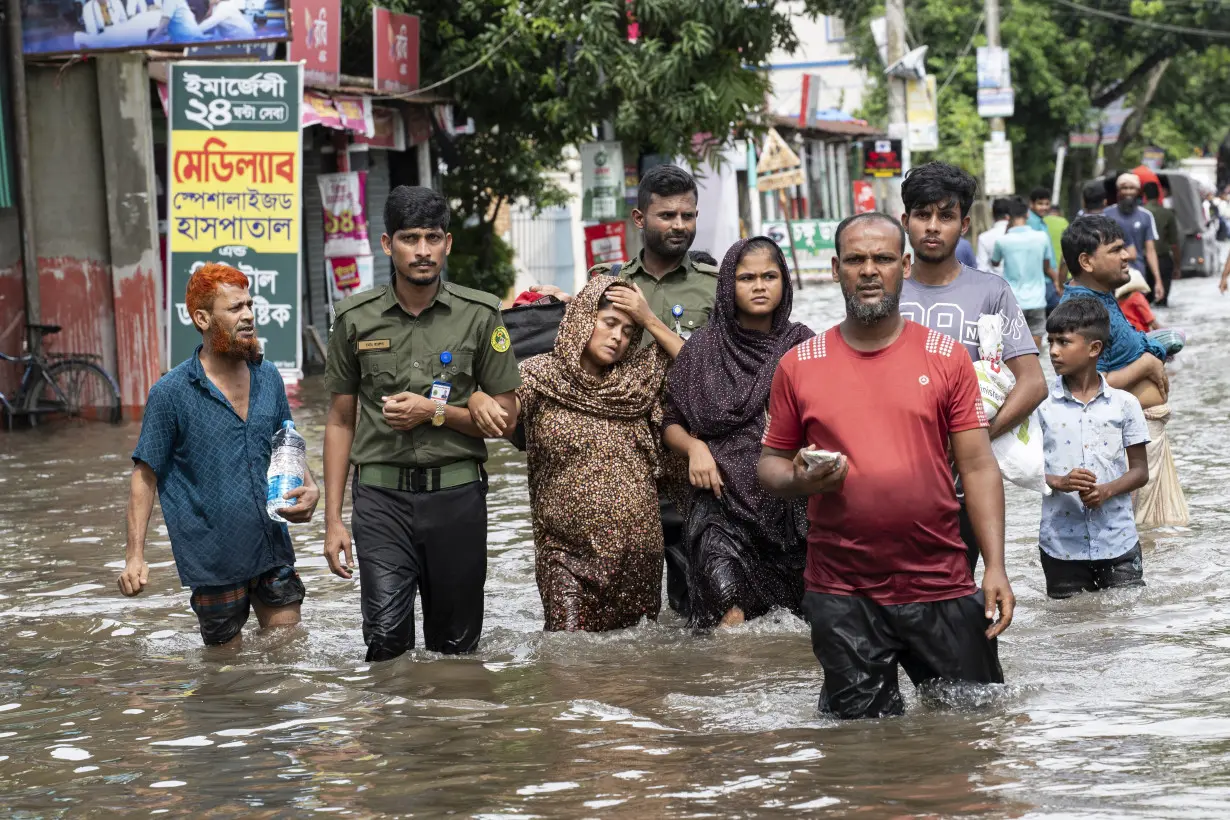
[(234, 173), (342, 197)]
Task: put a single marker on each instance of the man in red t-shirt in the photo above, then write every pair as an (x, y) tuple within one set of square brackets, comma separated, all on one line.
[(887, 578)]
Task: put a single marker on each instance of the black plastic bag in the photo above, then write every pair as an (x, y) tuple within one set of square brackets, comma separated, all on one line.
[(533, 327)]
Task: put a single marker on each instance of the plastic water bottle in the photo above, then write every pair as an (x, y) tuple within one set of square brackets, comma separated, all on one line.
[(287, 466)]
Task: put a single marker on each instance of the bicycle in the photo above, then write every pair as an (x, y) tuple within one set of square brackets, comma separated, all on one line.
[(61, 385)]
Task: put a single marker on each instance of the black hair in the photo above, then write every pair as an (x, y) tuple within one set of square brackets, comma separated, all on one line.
[(1150, 190), (703, 256), (1039, 193), (761, 243), (663, 180), (604, 301), (414, 207), (1017, 207), (1094, 196), (1000, 209), (851, 221), (938, 183), (1085, 316), (1085, 235)]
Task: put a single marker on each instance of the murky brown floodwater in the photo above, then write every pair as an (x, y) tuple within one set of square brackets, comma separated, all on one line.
[(1117, 704)]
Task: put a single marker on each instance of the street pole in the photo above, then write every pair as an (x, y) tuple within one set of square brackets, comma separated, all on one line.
[(894, 19), (25, 189), (992, 24)]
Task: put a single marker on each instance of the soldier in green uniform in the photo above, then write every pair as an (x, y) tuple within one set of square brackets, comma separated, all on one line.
[(403, 361), (680, 292)]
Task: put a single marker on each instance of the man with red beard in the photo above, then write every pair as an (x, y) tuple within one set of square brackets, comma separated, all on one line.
[(205, 445)]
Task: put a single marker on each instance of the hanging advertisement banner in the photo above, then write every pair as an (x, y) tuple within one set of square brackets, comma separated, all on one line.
[(234, 175), (602, 180), (67, 27), (920, 113), (342, 197), (349, 275), (605, 243), (395, 51), (997, 164), (317, 41), (864, 197), (995, 95)]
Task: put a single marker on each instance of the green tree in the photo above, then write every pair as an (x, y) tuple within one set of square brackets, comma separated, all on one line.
[(539, 75), (1070, 60)]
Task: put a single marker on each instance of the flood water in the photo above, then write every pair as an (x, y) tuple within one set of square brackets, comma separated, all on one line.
[(1117, 704)]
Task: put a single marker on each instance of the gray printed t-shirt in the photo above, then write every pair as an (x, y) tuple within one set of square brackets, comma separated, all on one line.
[(954, 309)]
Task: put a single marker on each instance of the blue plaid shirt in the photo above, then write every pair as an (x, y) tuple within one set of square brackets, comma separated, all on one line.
[(1127, 344), (1094, 436), (211, 468)]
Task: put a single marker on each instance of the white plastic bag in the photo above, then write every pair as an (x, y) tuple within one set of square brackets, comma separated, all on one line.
[(1018, 451)]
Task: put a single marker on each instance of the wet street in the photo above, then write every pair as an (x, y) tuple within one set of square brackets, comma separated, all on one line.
[(1117, 704)]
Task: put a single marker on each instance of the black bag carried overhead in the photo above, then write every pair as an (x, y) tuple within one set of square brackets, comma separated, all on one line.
[(533, 327)]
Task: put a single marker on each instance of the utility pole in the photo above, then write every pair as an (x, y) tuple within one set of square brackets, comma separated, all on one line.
[(992, 24), (25, 189), (894, 19)]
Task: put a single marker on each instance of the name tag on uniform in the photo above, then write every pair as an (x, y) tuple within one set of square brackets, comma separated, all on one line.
[(375, 344), (440, 391)]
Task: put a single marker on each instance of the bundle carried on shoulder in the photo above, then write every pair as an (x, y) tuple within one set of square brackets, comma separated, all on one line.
[(1018, 451)]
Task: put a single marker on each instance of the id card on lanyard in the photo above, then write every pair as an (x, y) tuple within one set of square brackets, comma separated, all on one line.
[(441, 389)]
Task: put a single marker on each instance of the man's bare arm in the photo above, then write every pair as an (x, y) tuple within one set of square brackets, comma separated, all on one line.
[(1024, 397), (141, 492)]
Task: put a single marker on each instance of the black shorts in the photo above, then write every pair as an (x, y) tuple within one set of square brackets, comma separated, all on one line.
[(1067, 578), (222, 611), (860, 643)]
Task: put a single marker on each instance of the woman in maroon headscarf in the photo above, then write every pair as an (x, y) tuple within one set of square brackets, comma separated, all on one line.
[(746, 547)]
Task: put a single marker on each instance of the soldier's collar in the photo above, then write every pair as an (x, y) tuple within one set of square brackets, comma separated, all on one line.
[(443, 295), (637, 265)]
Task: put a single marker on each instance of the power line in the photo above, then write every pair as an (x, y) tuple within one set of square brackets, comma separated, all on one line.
[(1123, 18), (956, 63), (486, 56)]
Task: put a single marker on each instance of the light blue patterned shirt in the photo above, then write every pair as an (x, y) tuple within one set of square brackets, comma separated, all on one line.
[(1094, 436)]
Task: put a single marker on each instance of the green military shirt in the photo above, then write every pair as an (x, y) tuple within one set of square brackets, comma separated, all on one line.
[(378, 349), (692, 286)]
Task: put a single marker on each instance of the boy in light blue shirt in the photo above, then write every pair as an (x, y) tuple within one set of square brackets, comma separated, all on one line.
[(1094, 440), (1028, 259)]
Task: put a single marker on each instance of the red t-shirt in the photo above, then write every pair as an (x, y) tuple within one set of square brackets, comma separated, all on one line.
[(891, 533), (1136, 310)]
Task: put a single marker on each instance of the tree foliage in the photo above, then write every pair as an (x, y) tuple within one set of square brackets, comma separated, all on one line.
[(1068, 65)]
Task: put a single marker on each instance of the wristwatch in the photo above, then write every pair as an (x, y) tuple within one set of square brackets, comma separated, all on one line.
[(437, 420)]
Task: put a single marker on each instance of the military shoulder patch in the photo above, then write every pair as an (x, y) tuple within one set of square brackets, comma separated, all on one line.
[(500, 342)]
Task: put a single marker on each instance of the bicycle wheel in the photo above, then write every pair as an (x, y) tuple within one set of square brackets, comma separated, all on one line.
[(74, 389)]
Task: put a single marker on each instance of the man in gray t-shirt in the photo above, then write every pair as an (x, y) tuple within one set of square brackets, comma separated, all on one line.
[(954, 309)]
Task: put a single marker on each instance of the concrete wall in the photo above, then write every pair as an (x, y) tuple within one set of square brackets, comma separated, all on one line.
[(132, 219), (823, 52), (70, 210), (94, 218), (12, 303)]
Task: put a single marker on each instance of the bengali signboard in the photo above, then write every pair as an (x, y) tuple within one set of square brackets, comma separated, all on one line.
[(812, 240), (395, 47), (602, 181), (317, 41), (234, 173), (67, 26)]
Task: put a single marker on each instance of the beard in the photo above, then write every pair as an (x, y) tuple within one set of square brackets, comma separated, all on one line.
[(221, 343), (869, 314), (666, 244), (934, 258), (1127, 204), (420, 277)]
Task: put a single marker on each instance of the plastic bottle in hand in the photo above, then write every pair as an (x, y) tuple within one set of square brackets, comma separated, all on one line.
[(287, 466)]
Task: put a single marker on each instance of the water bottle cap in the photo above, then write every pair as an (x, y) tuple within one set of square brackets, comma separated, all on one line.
[(446, 357), (288, 425), (677, 311)]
